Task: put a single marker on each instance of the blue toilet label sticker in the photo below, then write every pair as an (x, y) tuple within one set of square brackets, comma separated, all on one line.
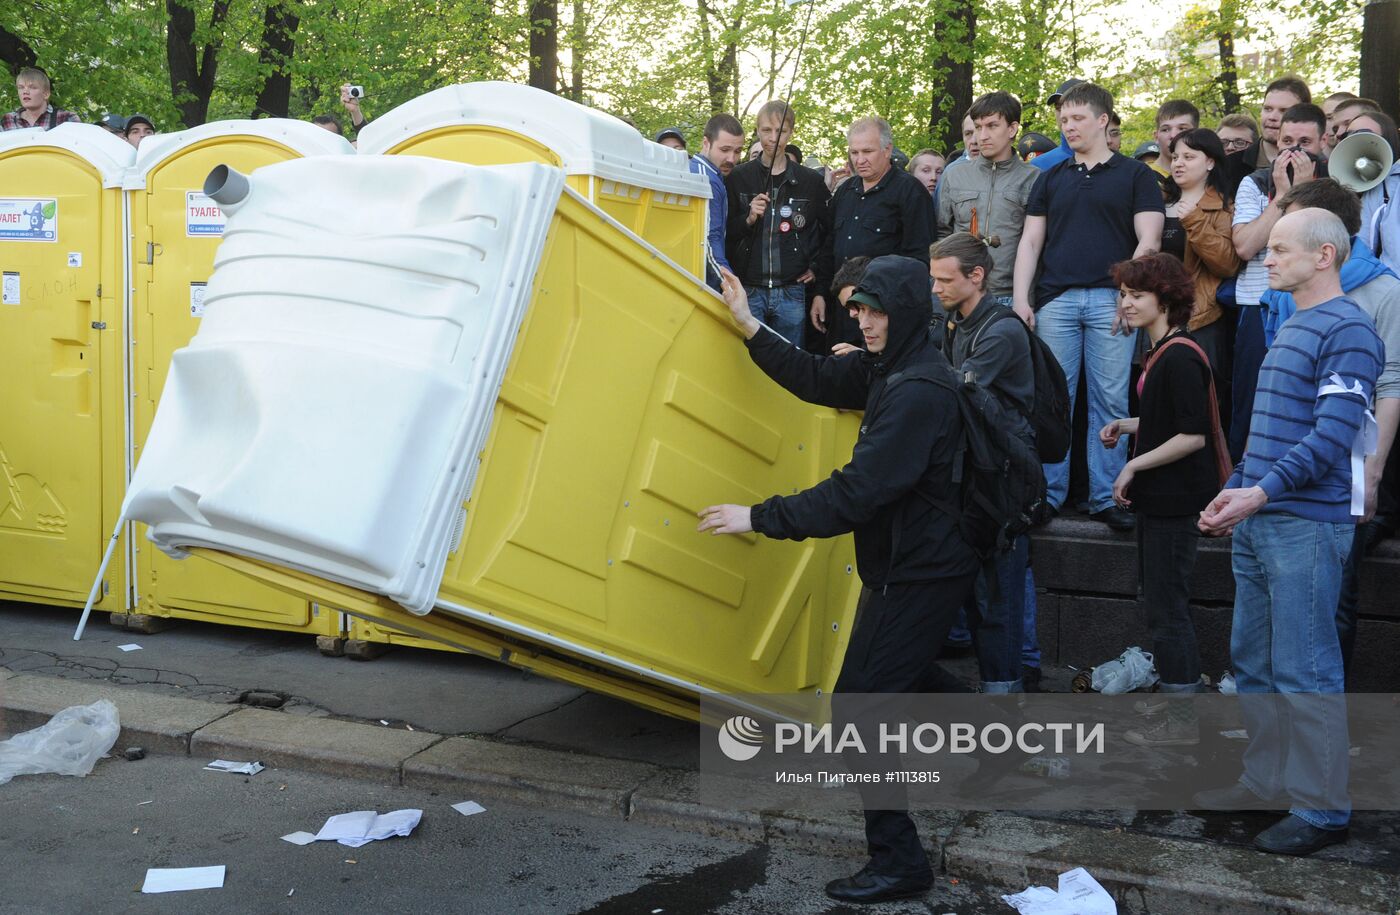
[(29, 219), (203, 218)]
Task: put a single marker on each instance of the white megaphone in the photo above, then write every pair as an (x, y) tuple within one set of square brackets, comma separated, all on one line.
[(1361, 161)]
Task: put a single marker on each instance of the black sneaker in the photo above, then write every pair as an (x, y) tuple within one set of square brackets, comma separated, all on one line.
[(1116, 518), (1030, 679)]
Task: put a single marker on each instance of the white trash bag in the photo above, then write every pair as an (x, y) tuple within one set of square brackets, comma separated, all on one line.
[(70, 744), (1129, 671)]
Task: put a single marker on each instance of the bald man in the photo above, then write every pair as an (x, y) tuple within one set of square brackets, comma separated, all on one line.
[(1293, 504)]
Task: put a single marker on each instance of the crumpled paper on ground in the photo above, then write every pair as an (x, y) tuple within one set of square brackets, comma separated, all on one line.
[(1079, 894), (361, 827)]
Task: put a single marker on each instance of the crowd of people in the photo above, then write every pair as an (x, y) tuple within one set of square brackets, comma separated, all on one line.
[(1228, 311), (34, 90)]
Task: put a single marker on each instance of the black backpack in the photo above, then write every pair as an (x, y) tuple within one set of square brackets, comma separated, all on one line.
[(999, 480), (1050, 416)]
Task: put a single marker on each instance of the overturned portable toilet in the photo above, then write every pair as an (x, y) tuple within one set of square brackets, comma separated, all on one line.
[(388, 338), (64, 413), (175, 231), (645, 186)]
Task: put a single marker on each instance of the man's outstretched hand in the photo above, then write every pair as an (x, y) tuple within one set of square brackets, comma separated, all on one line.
[(726, 519), (738, 301)]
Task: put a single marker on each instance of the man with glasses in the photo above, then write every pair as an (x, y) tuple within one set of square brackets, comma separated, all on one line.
[(1237, 132)]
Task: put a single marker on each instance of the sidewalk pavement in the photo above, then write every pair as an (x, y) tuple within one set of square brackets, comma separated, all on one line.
[(1151, 862)]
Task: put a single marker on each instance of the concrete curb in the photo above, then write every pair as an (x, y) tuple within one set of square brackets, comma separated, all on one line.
[(324, 745), (160, 724), (528, 775), (1159, 874)]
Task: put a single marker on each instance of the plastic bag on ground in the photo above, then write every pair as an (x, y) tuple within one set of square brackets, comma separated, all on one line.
[(70, 743), (1129, 671)]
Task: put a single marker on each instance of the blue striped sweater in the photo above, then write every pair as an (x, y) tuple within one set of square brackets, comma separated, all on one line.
[(1299, 449)]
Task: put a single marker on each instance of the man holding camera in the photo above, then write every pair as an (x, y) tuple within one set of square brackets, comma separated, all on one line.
[(350, 98)]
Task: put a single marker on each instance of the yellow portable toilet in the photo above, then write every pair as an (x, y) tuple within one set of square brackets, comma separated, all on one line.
[(64, 413), (643, 185), (175, 233), (389, 336)]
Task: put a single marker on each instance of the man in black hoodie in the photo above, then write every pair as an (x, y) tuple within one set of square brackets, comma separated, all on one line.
[(910, 555)]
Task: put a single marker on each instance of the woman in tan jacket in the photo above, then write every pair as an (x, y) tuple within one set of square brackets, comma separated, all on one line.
[(1197, 231)]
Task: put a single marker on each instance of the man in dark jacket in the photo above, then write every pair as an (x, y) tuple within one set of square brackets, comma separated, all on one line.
[(910, 554), (881, 210), (778, 220), (988, 344)]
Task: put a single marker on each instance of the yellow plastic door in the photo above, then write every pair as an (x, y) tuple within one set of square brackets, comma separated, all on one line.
[(53, 441), (176, 239)]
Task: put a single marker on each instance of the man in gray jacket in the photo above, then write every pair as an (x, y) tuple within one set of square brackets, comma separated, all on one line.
[(987, 343), (987, 197)]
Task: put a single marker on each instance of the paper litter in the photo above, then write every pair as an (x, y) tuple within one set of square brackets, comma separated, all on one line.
[(174, 879), (238, 768), (360, 828), (1079, 894)]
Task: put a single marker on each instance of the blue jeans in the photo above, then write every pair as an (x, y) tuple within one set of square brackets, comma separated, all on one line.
[(1030, 638), (783, 308), (996, 616), (1244, 376), (1076, 327), (1288, 572)]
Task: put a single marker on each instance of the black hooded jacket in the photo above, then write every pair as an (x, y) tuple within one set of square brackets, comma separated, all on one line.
[(908, 440)]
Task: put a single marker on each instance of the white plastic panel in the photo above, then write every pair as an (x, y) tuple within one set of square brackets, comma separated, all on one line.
[(587, 141), (303, 136), (329, 412), (107, 152)]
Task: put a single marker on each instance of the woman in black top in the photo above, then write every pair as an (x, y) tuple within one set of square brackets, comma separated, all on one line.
[(1174, 473)]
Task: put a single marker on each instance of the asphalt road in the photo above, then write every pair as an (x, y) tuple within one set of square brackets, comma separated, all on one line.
[(71, 845)]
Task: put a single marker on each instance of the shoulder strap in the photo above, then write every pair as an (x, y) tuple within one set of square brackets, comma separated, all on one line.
[(1222, 448)]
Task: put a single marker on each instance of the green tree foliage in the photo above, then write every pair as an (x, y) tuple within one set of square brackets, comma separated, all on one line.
[(660, 63)]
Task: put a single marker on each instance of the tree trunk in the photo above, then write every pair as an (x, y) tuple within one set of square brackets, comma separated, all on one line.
[(15, 52), (1229, 78), (1380, 54), (280, 22), (544, 45), (954, 33), (722, 74), (578, 52), (192, 69)]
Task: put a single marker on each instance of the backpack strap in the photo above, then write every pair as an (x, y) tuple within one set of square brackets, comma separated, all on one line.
[(1001, 313), (1222, 451)]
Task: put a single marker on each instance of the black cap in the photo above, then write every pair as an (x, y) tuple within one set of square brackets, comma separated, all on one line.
[(1147, 149), (792, 149), (671, 132), (113, 122), (1033, 144), (1065, 86), (138, 119), (898, 158)]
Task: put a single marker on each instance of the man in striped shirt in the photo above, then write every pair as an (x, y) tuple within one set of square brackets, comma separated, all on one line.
[(1293, 504)]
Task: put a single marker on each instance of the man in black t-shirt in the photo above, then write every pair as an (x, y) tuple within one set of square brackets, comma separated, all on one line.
[(1085, 215)]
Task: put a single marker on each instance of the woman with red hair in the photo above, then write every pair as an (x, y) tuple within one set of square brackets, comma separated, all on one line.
[(1179, 463)]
